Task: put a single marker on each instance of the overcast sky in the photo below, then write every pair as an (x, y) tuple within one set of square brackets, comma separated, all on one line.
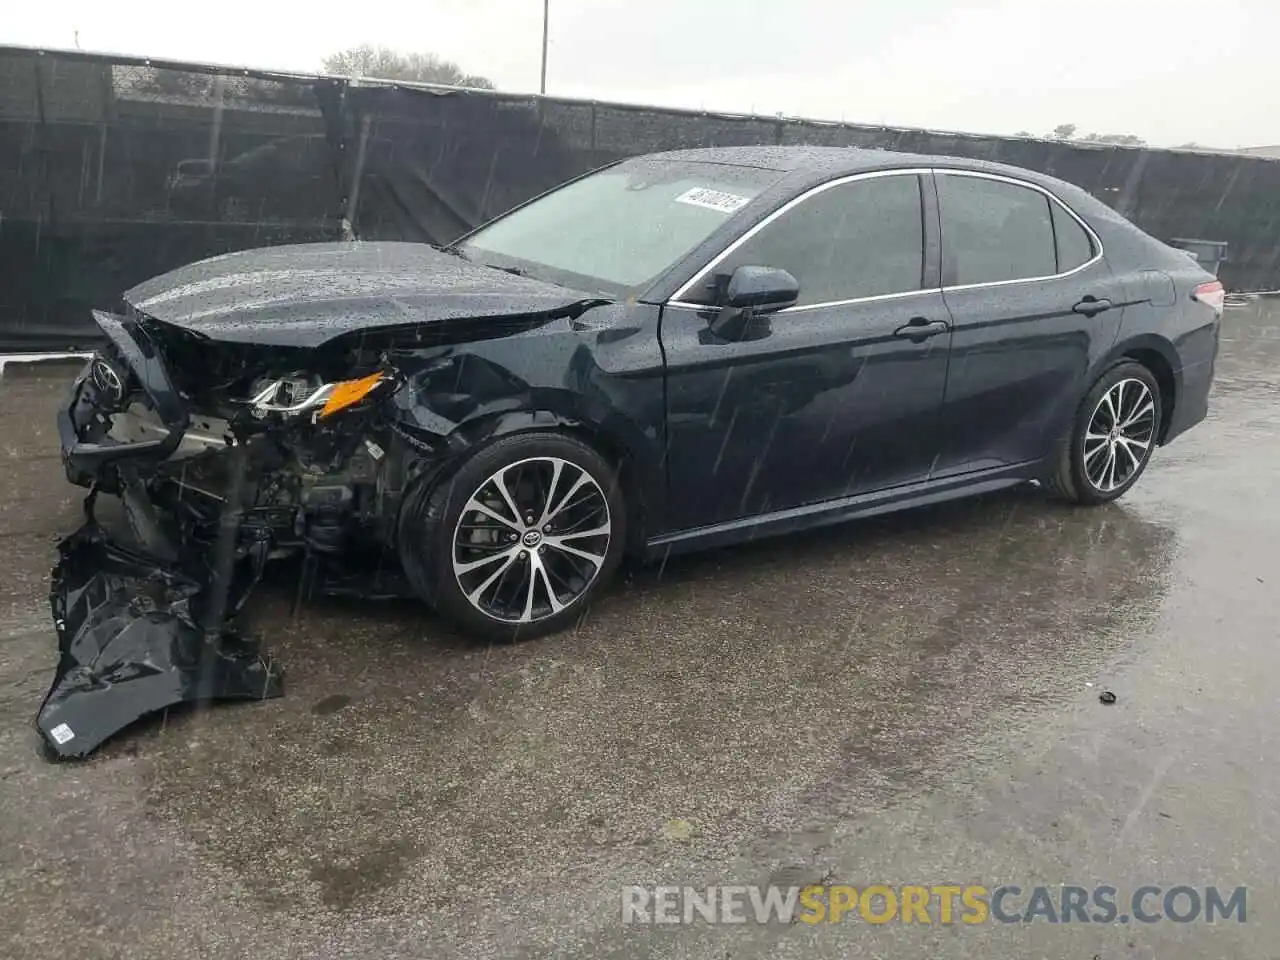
[(1170, 71)]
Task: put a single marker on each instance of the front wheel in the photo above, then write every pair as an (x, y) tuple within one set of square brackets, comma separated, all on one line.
[(1113, 436), (519, 540)]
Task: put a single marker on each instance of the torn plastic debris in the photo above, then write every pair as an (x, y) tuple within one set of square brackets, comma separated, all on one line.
[(131, 644)]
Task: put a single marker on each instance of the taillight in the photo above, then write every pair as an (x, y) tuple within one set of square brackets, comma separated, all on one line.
[(1212, 295)]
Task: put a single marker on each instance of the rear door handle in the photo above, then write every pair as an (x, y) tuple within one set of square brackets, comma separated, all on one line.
[(920, 329), (1091, 306)]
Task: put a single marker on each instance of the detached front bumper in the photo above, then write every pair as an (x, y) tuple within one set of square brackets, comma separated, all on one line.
[(132, 641)]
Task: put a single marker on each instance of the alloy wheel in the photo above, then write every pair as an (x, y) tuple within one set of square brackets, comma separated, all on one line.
[(531, 539), (1118, 439)]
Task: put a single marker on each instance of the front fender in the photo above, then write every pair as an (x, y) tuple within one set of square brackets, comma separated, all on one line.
[(604, 386), (622, 443)]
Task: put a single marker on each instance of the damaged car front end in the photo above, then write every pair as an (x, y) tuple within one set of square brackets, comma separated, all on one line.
[(212, 486), (233, 440)]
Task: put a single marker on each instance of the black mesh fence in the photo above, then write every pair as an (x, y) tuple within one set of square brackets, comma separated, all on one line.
[(111, 172), (115, 169)]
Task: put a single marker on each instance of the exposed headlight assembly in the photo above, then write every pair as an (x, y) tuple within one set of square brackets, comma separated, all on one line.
[(290, 396)]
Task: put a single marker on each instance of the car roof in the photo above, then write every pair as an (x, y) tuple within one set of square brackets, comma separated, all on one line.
[(805, 163), (802, 167)]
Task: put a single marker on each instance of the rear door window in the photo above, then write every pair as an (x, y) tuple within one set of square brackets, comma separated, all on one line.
[(994, 231)]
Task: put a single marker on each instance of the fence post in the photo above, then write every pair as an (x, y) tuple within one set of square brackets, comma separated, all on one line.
[(353, 197), (331, 96), (42, 127), (1129, 192)]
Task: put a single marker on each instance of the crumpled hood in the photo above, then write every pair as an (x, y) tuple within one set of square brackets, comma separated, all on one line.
[(303, 295)]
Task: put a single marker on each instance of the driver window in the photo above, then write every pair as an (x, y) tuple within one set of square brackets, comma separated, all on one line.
[(864, 238)]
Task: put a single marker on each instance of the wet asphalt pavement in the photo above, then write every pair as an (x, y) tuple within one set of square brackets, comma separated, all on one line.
[(908, 700)]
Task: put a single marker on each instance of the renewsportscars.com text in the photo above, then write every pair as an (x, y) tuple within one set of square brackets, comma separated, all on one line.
[(933, 904)]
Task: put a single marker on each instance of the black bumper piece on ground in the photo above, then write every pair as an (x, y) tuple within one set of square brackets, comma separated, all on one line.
[(131, 643)]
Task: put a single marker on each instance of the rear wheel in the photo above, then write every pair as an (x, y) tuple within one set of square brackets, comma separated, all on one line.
[(1113, 436), (517, 542)]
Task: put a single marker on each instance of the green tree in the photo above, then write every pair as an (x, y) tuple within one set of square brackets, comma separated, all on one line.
[(1067, 131), (1119, 139), (383, 63)]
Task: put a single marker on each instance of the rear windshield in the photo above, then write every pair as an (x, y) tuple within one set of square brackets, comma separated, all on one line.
[(617, 231)]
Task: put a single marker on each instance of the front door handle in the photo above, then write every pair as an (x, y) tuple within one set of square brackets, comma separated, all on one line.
[(1091, 306), (920, 329)]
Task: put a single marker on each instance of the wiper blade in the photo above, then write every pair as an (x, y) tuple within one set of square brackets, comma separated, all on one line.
[(458, 252)]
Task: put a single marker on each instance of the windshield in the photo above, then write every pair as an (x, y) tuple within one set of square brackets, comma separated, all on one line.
[(618, 230)]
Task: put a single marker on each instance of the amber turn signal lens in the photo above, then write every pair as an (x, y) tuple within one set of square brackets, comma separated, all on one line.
[(350, 392)]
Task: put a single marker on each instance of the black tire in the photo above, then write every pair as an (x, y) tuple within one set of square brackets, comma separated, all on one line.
[(433, 510), (1069, 480)]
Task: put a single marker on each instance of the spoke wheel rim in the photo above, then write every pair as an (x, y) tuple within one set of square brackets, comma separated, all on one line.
[(531, 540), (1119, 437)]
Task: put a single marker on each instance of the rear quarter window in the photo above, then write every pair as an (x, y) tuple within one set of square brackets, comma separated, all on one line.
[(1075, 248)]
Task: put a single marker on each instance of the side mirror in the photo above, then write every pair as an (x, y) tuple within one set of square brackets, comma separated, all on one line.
[(761, 290)]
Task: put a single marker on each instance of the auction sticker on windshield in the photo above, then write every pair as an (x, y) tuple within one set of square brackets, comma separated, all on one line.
[(713, 200)]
